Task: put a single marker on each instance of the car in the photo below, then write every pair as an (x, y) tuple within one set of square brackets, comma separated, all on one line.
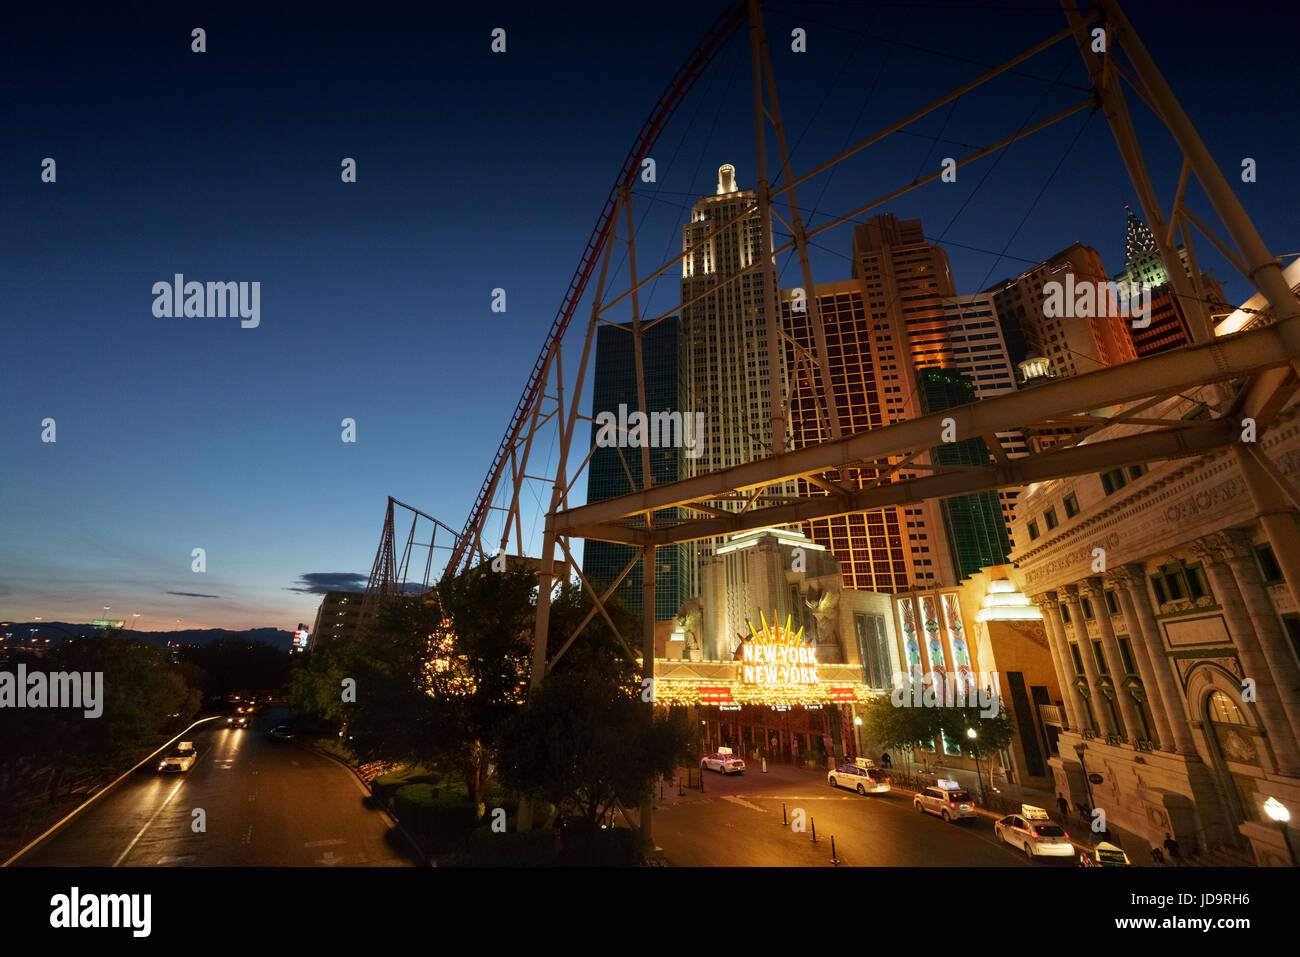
[(855, 777), (1105, 854), (1034, 832), (948, 799), (237, 721), (724, 762), (282, 732), (180, 758)]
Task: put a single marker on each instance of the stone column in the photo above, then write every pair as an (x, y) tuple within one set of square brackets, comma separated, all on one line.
[(1164, 673), (1276, 515), (1061, 659), (1101, 712), (1265, 657), (1162, 711), (1128, 708)]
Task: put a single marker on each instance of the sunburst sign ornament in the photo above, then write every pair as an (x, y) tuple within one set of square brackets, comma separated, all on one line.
[(777, 655)]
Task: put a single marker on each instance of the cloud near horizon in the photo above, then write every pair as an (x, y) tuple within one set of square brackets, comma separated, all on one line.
[(318, 583), (192, 594)]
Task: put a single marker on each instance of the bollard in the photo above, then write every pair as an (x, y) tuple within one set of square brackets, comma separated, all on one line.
[(679, 786), (834, 860), (701, 779), (784, 822), (812, 823), (764, 764)]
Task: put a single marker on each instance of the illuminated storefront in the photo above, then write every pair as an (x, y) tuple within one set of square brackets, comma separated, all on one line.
[(773, 700)]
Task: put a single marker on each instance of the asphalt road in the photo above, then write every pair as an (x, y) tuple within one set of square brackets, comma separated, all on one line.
[(737, 822), (265, 803)]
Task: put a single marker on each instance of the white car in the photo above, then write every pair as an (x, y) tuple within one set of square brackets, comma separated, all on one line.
[(1033, 832), (181, 758), (724, 762), (860, 779), (948, 799)]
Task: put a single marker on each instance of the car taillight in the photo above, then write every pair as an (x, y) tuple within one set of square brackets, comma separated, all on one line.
[(952, 804)]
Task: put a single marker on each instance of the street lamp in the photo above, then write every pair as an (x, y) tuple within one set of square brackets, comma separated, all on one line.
[(1278, 812), (857, 731), (970, 733)]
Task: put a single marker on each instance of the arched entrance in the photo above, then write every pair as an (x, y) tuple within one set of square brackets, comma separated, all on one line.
[(1232, 741)]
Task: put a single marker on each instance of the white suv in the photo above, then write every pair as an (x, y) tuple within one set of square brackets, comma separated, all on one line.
[(948, 799)]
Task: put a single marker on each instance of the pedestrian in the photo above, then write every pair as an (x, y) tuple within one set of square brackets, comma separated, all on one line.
[(1157, 856), (1064, 805), (1171, 847), (885, 761)]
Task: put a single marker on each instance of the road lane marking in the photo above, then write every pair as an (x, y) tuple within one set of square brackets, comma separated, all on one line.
[(329, 843), (136, 839), (102, 791), (162, 861), (248, 835), (743, 803)]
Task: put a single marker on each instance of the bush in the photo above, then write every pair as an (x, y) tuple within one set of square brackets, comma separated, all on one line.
[(513, 849), (435, 823), (599, 847), (387, 785)]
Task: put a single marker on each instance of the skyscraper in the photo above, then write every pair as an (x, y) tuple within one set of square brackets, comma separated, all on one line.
[(1072, 344), (869, 545), (724, 327), (974, 526), (1168, 327), (616, 470)]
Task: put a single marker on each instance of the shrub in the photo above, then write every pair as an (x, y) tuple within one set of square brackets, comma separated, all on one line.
[(599, 847), (435, 823), (513, 849)]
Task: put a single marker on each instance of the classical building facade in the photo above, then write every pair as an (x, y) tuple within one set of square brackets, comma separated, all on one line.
[(1169, 595)]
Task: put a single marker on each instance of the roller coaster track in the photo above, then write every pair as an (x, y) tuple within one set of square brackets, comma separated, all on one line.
[(682, 82)]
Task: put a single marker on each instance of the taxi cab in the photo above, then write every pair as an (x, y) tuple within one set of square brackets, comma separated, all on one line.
[(724, 762), (948, 799), (1105, 854), (860, 776), (181, 758), (1033, 832)]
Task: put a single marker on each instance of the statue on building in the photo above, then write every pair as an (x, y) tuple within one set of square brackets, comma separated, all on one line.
[(690, 619), (825, 606)]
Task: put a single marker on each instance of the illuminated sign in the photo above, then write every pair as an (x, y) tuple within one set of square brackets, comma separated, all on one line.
[(777, 656), (108, 623), (301, 636)]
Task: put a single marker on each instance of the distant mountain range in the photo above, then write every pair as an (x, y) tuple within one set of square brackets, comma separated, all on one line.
[(58, 630)]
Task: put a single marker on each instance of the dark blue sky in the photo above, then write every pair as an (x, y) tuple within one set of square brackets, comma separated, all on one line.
[(475, 171)]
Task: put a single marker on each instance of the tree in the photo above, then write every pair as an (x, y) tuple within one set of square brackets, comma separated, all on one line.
[(435, 674), (582, 742)]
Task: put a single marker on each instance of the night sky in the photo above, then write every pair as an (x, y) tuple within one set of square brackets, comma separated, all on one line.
[(475, 171)]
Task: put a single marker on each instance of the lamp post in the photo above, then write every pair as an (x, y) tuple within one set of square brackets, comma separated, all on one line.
[(1281, 816), (857, 733), (971, 733)]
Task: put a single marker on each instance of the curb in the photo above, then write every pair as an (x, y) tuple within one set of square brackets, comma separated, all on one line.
[(392, 818)]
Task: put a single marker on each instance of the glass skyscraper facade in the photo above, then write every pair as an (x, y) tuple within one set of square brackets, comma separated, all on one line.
[(973, 524), (615, 471)]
